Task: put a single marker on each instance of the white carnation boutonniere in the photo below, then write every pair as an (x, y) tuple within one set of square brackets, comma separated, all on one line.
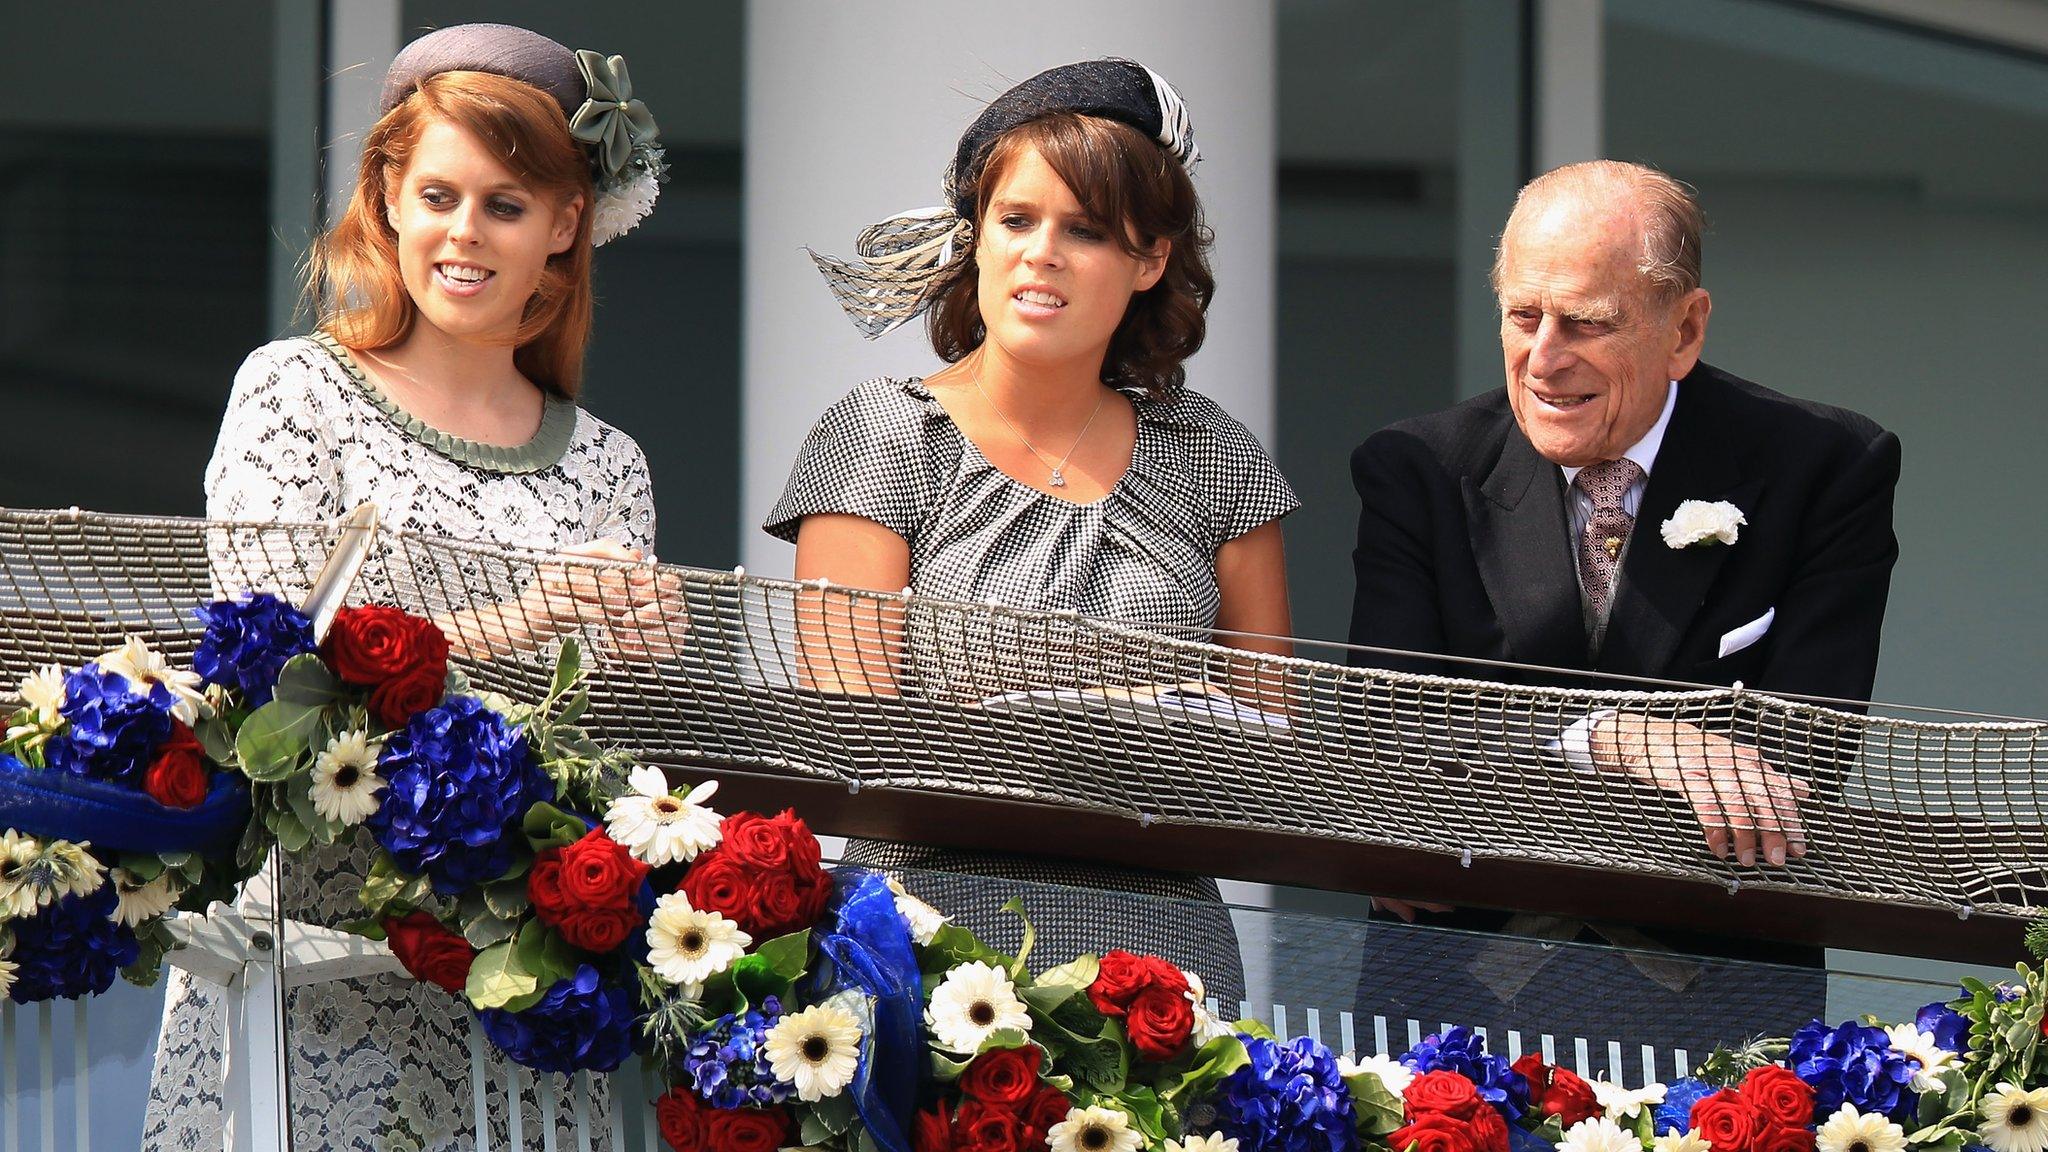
[(1703, 522)]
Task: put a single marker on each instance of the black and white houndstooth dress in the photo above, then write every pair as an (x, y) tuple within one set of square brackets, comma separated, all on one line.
[(1143, 555), (378, 1062)]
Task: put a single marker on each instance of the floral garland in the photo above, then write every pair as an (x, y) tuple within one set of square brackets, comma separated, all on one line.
[(585, 911)]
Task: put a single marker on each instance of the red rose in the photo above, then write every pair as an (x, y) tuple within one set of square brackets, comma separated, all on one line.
[(599, 929), (765, 903), (1443, 1093), (1436, 1132), (804, 852), (756, 839), (1784, 1138), (370, 645), (177, 777), (1003, 1076), (684, 1120), (1158, 1022), (987, 1128), (1046, 1109), (718, 883), (1120, 977), (1728, 1121), (1780, 1093), (429, 950), (598, 870), (932, 1131), (398, 700), (1558, 1092), (750, 1129), (1489, 1130)]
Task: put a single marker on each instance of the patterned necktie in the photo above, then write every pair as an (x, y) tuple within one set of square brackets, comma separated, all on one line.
[(1600, 545)]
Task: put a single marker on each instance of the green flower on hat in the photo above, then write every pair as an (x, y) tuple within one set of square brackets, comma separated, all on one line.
[(610, 120)]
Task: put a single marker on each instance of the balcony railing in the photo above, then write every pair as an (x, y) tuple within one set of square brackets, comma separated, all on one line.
[(983, 727)]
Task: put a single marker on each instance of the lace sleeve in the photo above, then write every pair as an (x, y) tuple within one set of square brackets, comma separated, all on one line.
[(276, 458), (630, 519)]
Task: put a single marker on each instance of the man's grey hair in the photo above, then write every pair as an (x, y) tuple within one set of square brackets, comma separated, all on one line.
[(1672, 221)]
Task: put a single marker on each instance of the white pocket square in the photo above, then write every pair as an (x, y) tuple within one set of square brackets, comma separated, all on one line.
[(1736, 639)]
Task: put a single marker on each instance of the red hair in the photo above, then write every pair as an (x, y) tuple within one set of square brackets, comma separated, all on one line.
[(353, 278)]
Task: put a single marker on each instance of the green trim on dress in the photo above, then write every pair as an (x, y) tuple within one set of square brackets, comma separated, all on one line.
[(543, 451)]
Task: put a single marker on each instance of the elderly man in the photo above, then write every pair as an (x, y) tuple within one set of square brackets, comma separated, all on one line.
[(1528, 525)]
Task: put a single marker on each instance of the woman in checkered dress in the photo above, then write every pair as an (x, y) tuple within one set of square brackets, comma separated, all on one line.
[(1058, 462)]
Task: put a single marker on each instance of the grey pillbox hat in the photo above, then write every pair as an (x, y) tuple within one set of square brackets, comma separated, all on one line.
[(501, 49)]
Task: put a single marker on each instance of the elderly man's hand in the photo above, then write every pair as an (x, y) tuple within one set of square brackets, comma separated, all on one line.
[(1743, 803)]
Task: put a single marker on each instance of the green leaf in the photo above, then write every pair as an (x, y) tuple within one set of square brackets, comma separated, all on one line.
[(486, 930), (275, 739), (547, 826), (1255, 1028), (836, 1113), (772, 968), (1378, 1110), (1047, 999), (568, 667), (1146, 1116), (292, 833), (544, 953), (953, 946), (1219, 1058), (456, 683), (947, 1067), (1019, 975), (305, 681), (1078, 973), (811, 1130), (216, 738), (572, 711), (144, 866), (389, 888), (506, 899), (497, 978)]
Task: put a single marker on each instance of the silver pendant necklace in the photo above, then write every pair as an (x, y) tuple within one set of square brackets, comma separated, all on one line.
[(1058, 479)]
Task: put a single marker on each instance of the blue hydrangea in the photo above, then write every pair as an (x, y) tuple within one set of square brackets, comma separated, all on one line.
[(1856, 1064), (583, 1023), (70, 949), (1950, 1028), (1463, 1051), (727, 1061), (112, 730), (247, 642), (1288, 1099), (1679, 1097), (459, 776)]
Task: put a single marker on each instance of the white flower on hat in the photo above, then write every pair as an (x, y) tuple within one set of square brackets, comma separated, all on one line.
[(620, 209), (1698, 522)]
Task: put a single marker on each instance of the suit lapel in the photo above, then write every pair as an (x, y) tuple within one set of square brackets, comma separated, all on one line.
[(1663, 588), (1521, 541)]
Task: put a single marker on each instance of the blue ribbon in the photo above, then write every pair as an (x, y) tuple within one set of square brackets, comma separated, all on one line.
[(869, 947), (117, 817)]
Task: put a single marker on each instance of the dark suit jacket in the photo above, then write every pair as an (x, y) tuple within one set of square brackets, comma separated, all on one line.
[(1464, 547)]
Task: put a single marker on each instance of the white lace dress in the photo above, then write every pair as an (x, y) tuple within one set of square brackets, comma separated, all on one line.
[(383, 1062)]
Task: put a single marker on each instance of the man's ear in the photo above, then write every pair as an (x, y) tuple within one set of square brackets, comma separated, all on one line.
[(1152, 265), (1689, 325), (567, 218)]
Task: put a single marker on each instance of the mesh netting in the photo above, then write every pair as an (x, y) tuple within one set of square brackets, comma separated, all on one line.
[(722, 669)]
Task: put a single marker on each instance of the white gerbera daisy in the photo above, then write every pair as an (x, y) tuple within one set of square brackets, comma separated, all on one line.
[(7, 968), (1599, 1134), (1619, 1102), (17, 853), (686, 946), (345, 780), (816, 1050), (923, 919), (975, 1001), (1851, 1131), (1095, 1129), (43, 692), (1935, 1061), (1213, 1142), (144, 666), (1207, 1026), (2015, 1120), (656, 825), (1392, 1073), (137, 899), (1687, 1141)]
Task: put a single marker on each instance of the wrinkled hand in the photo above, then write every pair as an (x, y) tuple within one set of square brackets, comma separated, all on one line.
[(640, 608), (1743, 803)]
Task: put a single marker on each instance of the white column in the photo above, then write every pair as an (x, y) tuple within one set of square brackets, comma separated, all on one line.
[(852, 114), (1570, 81)]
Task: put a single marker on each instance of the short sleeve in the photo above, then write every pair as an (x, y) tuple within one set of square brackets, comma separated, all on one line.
[(871, 456), (1243, 487), (276, 459)]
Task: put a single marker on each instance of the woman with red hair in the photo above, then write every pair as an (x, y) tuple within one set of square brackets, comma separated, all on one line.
[(454, 305)]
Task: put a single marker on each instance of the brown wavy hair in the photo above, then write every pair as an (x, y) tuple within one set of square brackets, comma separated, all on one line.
[(1127, 184), (352, 278)]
